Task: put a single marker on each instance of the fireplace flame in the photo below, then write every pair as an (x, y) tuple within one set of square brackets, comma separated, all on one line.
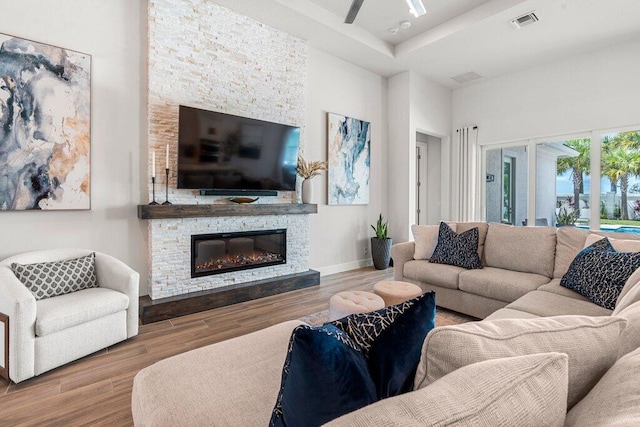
[(239, 260)]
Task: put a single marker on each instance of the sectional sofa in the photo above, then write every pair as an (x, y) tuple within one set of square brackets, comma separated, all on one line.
[(517, 367), (522, 269)]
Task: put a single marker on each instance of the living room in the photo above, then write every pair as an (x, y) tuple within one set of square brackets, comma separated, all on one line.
[(144, 64)]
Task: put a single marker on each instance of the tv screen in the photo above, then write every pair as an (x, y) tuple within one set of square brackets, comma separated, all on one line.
[(219, 151)]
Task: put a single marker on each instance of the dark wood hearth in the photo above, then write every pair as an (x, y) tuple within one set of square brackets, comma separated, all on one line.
[(227, 209), (180, 305)]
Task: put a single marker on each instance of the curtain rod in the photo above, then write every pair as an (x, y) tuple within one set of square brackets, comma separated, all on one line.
[(475, 127)]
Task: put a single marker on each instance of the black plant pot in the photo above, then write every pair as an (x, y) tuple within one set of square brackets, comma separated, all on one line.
[(381, 252)]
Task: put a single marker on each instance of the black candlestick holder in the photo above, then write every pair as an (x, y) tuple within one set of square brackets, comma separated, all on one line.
[(153, 187), (166, 188)]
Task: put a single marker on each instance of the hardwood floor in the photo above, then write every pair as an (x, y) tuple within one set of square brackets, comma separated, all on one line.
[(96, 390)]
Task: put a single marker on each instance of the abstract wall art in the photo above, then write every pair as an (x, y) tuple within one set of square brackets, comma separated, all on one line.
[(45, 126), (349, 155)]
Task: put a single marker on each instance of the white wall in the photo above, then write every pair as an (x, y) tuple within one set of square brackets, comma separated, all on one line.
[(110, 31), (416, 104), (340, 234), (598, 90)]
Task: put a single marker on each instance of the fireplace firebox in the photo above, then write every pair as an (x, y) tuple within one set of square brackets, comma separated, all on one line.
[(226, 252)]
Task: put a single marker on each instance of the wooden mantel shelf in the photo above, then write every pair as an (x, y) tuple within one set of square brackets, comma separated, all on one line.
[(194, 211)]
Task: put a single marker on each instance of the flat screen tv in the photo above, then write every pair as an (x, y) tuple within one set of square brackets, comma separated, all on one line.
[(218, 151)]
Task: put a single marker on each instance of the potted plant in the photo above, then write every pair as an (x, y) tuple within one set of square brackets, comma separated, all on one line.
[(565, 213), (381, 245), (307, 170)]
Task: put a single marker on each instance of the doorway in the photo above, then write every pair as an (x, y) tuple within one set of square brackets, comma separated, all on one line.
[(508, 190), (428, 179)]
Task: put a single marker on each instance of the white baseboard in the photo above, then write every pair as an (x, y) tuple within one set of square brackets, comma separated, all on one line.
[(339, 268)]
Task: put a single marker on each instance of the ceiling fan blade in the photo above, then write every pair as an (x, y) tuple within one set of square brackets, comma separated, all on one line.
[(353, 11)]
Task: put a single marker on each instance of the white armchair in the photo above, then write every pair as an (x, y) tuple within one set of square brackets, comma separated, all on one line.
[(47, 333)]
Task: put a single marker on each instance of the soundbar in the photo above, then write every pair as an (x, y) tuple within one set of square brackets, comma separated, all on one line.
[(224, 192)]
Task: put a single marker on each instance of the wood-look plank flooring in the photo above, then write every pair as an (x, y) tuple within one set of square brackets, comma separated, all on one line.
[(96, 390)]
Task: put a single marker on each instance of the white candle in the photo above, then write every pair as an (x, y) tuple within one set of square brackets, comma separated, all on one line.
[(153, 164), (167, 163)]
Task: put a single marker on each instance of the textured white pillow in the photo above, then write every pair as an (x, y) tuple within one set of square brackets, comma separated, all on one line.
[(517, 391), (590, 342), (615, 400), (426, 239)]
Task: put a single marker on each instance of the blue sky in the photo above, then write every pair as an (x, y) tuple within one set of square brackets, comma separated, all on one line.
[(565, 186)]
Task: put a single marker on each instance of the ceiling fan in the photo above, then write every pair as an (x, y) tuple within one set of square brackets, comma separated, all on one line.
[(415, 7)]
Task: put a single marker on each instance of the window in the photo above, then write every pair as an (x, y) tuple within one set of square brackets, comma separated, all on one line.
[(590, 180), (563, 178), (620, 183)]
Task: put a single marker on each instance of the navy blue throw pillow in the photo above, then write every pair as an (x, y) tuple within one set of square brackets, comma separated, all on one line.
[(457, 249), (349, 363), (599, 273), (325, 376), (391, 339)]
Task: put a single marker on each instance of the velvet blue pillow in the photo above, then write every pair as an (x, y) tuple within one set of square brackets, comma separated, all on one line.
[(391, 339), (599, 273), (460, 250), (347, 364), (325, 376)]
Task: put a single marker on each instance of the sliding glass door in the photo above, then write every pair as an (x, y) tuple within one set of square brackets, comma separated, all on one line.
[(584, 180), (506, 184)]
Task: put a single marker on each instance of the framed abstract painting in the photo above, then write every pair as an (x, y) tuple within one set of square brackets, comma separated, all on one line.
[(349, 158), (45, 126)]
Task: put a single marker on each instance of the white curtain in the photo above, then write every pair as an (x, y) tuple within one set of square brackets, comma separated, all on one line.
[(466, 164)]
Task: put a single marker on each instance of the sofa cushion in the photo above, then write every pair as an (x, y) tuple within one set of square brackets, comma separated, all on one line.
[(630, 292), (508, 313), (630, 338), (546, 304), (50, 279), (524, 391), (234, 382), (620, 245), (64, 311), (590, 342), (570, 241), (391, 339), (525, 249), (322, 363), (496, 283), (482, 227), (599, 273), (457, 249), (426, 239), (614, 400), (554, 287), (442, 275)]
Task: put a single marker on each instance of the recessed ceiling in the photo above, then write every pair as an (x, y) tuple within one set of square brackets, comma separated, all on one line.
[(378, 16), (455, 36)]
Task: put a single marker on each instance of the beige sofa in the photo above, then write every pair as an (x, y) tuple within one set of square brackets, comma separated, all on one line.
[(522, 268), (236, 382)]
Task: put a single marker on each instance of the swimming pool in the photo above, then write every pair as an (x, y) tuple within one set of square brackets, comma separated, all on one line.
[(615, 228)]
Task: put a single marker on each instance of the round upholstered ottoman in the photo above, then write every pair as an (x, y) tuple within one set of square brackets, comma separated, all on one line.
[(394, 292), (350, 302)]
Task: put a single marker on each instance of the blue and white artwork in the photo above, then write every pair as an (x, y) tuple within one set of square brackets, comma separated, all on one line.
[(349, 155), (45, 126)]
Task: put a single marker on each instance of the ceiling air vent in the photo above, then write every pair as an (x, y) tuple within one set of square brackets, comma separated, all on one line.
[(524, 20), (466, 77)]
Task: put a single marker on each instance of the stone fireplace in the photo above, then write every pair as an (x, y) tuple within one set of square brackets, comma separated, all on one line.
[(208, 256), (226, 252), (170, 246), (245, 79)]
